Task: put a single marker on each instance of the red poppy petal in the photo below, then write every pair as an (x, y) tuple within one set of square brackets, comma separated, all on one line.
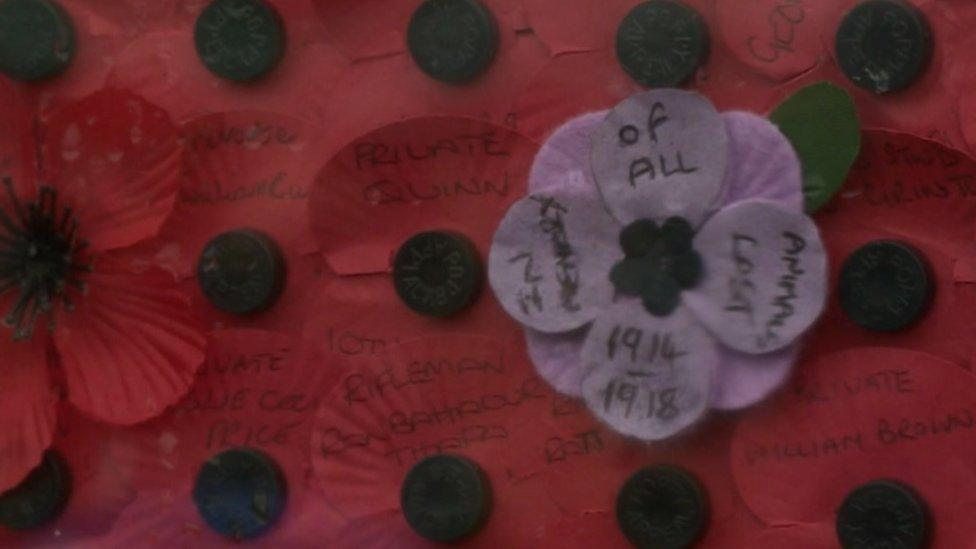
[(131, 348), (356, 317), (115, 160), (100, 30), (779, 39), (378, 92), (304, 275), (242, 169), (17, 148), (163, 66), (373, 28), (28, 409), (428, 173), (257, 389), (857, 416), (907, 188)]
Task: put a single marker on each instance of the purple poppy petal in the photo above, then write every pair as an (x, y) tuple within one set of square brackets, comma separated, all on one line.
[(550, 259), (765, 276), (745, 379), (564, 159), (648, 377), (557, 358), (762, 163), (659, 154)]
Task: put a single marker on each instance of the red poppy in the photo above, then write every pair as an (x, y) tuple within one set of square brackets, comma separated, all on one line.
[(98, 492), (122, 342), (160, 62), (910, 189), (423, 174), (856, 416), (245, 170), (256, 389)]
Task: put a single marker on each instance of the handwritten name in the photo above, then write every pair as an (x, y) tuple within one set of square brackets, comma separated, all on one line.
[(886, 433), (391, 192), (216, 193), (255, 135)]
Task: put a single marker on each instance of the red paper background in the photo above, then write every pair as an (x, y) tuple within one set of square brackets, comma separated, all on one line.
[(345, 74)]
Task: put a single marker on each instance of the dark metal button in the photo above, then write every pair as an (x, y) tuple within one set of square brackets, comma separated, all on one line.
[(240, 40), (240, 493), (445, 498), (885, 286), (37, 39), (241, 271), (662, 507), (884, 45), (437, 273), (882, 513), (41, 496), (452, 40), (661, 43)]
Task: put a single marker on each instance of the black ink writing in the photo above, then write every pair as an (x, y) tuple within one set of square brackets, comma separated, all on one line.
[(567, 269), (370, 154), (390, 192), (257, 134), (216, 193), (783, 20), (559, 449), (362, 387), (742, 289)]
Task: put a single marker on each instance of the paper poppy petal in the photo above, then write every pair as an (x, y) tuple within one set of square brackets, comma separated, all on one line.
[(746, 379), (763, 163), (28, 410), (256, 389), (17, 141), (765, 276), (779, 40), (907, 184), (856, 416), (564, 88), (399, 90), (472, 396), (162, 65), (241, 169), (659, 154), (417, 175), (557, 358), (550, 258), (131, 348), (564, 159), (114, 158), (648, 377), (373, 28)]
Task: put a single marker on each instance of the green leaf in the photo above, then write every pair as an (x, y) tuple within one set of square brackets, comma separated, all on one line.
[(821, 122)]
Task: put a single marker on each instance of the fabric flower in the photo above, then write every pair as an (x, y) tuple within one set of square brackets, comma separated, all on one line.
[(662, 264), (83, 308)]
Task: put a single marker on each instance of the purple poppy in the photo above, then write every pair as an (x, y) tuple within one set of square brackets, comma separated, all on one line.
[(662, 264)]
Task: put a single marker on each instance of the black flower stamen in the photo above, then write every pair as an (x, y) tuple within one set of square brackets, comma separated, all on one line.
[(659, 263), (39, 250)]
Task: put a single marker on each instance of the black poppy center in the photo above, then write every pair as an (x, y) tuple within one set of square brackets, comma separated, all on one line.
[(39, 249), (659, 263)]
